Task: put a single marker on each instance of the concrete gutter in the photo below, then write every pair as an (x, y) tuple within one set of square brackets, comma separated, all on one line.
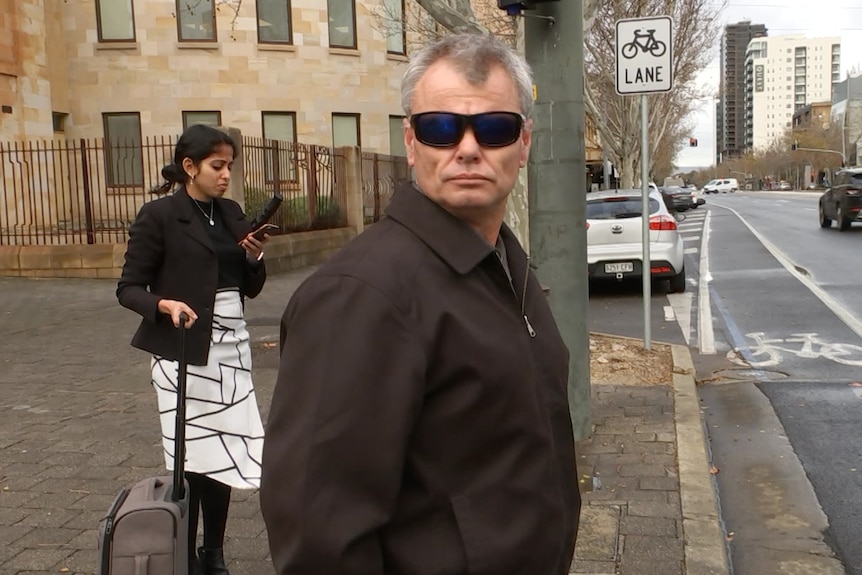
[(705, 548)]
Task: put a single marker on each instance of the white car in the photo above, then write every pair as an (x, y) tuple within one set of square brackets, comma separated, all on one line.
[(721, 185), (615, 238)]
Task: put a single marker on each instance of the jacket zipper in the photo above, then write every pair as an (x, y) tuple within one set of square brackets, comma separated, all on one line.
[(530, 329)]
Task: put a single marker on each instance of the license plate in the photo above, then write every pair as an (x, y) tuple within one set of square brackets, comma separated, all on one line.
[(619, 268)]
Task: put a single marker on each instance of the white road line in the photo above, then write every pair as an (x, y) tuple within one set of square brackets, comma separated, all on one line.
[(681, 307), (839, 310), (690, 250), (705, 333), (690, 238), (668, 313)]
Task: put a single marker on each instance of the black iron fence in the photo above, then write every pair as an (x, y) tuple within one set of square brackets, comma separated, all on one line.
[(83, 192), (304, 174), (380, 175), (76, 191)]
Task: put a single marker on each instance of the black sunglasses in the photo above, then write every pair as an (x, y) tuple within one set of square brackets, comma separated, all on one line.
[(445, 129)]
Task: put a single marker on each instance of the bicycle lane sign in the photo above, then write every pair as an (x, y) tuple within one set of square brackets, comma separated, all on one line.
[(644, 55)]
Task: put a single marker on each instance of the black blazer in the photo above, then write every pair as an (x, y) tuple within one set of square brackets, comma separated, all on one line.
[(170, 255)]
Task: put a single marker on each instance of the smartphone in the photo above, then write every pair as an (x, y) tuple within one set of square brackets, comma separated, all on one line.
[(263, 229)]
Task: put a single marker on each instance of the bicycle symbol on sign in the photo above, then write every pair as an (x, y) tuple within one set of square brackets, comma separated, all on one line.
[(644, 42), (769, 352)]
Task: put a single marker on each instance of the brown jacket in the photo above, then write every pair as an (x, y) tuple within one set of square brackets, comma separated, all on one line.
[(418, 426), (171, 256)]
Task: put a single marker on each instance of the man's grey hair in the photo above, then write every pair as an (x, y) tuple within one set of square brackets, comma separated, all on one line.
[(474, 56)]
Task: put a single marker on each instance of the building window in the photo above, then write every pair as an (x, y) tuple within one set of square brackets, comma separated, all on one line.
[(124, 164), (273, 22), (395, 35), (196, 20), (205, 118), (115, 20), (279, 133), (342, 23), (396, 136), (59, 121), (345, 130)]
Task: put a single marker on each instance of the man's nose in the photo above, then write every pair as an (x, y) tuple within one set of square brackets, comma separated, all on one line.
[(468, 148)]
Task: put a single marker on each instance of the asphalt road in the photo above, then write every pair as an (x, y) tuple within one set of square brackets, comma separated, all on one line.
[(777, 311), (785, 296)]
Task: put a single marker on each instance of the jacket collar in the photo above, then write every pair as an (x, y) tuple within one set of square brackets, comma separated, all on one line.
[(185, 212), (453, 240)]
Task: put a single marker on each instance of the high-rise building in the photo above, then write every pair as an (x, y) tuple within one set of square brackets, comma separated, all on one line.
[(783, 75), (734, 43)]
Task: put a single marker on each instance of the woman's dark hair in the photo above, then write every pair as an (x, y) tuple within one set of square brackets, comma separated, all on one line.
[(197, 143)]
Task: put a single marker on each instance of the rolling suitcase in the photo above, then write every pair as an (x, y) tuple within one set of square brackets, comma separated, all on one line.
[(146, 529)]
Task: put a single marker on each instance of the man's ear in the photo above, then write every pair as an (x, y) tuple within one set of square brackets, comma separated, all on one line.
[(526, 141), (409, 141)]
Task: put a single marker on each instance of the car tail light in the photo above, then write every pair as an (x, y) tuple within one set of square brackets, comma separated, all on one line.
[(661, 270), (662, 223)]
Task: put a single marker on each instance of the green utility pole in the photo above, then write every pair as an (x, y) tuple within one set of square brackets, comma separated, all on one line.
[(556, 178)]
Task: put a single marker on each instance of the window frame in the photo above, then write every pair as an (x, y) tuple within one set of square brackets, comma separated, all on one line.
[(187, 112), (403, 33), (110, 175), (289, 40), (292, 167), (180, 38), (357, 117), (400, 120), (352, 4), (100, 36)]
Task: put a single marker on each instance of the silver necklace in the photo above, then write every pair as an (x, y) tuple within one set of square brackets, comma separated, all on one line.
[(212, 223)]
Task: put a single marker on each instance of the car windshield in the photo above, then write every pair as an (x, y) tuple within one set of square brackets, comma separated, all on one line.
[(618, 208), (711, 182)]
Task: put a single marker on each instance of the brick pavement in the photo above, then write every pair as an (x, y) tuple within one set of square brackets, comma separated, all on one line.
[(77, 423)]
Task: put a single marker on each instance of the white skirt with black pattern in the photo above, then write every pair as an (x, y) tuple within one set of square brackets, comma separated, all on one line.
[(224, 432)]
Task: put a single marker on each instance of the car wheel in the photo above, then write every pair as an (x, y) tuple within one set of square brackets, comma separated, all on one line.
[(732, 190), (824, 221), (843, 221), (677, 282)]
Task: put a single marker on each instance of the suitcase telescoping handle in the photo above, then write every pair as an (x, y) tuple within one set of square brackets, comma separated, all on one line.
[(179, 487)]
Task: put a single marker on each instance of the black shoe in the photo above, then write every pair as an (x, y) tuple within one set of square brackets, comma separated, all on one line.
[(195, 566), (212, 561)]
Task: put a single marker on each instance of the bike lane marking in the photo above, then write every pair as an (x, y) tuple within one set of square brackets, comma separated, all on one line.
[(705, 333)]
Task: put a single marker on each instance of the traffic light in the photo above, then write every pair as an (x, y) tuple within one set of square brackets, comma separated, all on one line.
[(514, 7), (692, 142)]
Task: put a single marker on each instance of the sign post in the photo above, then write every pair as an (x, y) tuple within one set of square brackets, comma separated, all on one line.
[(644, 65)]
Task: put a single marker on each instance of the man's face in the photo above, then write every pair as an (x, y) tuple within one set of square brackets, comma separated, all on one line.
[(468, 180)]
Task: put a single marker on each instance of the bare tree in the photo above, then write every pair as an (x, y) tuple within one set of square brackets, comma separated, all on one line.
[(618, 117)]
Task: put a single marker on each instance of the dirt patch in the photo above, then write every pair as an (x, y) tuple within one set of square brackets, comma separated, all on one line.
[(623, 361)]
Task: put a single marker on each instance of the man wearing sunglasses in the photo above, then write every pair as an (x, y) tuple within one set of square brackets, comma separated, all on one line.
[(420, 423)]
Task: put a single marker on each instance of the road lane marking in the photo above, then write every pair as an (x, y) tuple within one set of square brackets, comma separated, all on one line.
[(668, 313), (690, 238), (680, 303), (690, 250), (839, 310), (769, 352), (705, 333)]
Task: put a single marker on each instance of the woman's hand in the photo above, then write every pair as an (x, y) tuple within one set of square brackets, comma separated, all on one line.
[(254, 247), (174, 308)]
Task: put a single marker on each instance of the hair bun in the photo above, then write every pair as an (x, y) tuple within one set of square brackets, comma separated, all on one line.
[(174, 173)]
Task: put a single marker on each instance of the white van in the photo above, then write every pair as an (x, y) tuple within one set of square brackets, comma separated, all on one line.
[(721, 185)]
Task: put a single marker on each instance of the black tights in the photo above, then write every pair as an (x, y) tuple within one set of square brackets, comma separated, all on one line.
[(213, 498)]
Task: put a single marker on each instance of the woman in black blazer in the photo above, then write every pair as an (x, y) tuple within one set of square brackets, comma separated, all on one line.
[(192, 252)]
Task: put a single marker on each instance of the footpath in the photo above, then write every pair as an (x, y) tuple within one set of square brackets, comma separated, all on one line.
[(78, 422)]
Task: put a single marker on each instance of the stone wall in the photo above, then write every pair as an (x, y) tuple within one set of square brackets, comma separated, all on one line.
[(287, 252)]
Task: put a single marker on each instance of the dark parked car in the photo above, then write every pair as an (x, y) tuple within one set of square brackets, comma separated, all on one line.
[(676, 199), (842, 202)]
